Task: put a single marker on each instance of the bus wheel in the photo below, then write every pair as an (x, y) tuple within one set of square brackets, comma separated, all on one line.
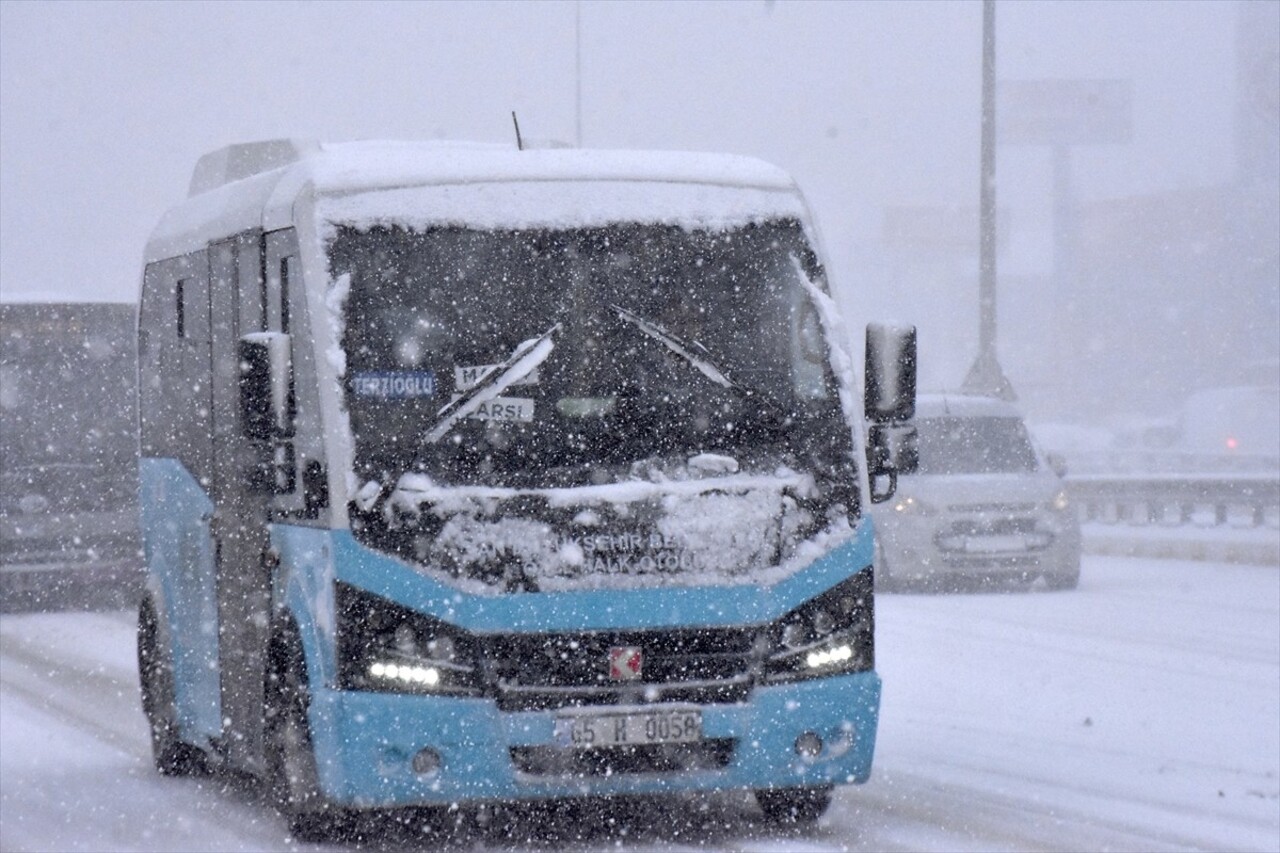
[(794, 805), (171, 756), (291, 761)]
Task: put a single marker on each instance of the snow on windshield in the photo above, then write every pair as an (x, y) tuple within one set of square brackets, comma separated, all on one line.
[(665, 355)]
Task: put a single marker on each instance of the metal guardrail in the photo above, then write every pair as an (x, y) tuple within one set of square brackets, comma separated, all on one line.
[(1217, 518), (1132, 461), (1172, 500)]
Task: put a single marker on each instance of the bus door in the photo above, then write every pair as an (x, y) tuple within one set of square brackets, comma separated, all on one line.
[(296, 458), (239, 530)]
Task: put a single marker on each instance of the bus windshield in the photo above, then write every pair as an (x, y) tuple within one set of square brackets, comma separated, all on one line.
[(429, 313), (616, 353)]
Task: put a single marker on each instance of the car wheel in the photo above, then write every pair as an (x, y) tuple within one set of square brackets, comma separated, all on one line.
[(1067, 577), (171, 756), (794, 805), (1063, 580), (291, 761)]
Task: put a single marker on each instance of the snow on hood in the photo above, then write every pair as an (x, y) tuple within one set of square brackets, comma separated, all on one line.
[(1038, 486), (705, 529)]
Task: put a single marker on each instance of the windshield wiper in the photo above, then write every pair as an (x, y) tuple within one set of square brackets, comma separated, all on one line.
[(522, 361), (697, 356)]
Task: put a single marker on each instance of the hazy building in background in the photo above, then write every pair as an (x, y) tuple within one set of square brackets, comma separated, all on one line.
[(1180, 290), (1163, 294)]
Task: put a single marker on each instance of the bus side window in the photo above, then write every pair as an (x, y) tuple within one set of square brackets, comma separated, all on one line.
[(277, 295), (286, 275), (315, 489), (180, 307), (252, 292)]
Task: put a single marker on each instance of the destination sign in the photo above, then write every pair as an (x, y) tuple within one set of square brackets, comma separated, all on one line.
[(504, 409), (394, 384), (468, 377)]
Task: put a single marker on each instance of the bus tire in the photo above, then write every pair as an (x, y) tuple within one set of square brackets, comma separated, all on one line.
[(170, 754), (794, 805), (292, 776)]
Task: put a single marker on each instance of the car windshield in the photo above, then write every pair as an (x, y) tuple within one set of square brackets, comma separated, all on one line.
[(974, 445), (620, 331)]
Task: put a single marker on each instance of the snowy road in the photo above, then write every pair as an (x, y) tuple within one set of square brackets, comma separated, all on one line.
[(1138, 713)]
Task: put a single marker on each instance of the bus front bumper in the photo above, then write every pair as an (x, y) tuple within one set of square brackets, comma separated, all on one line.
[(387, 750)]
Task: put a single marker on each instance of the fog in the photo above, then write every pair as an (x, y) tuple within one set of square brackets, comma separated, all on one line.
[(1156, 276)]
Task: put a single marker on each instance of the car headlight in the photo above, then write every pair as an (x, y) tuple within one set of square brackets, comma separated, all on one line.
[(832, 634), (1061, 502), (908, 505), (387, 647)]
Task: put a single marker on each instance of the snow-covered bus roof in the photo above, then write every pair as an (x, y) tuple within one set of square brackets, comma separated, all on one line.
[(256, 185)]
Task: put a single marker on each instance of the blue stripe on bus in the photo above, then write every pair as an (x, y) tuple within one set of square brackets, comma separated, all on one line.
[(175, 514)]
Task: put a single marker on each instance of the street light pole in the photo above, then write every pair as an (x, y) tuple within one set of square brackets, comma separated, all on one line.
[(577, 73), (985, 376)]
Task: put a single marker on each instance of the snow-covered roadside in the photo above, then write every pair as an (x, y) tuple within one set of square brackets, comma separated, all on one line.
[(1256, 545), (75, 766), (1137, 713)]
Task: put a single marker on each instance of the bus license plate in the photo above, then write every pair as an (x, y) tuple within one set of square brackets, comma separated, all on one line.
[(631, 729)]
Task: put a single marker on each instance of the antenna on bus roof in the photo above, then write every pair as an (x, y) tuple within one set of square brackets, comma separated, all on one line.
[(516, 122)]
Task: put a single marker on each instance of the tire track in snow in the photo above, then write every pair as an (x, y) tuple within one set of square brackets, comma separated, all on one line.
[(92, 698), (116, 800), (926, 811)]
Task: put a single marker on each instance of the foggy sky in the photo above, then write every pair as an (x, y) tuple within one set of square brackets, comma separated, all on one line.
[(105, 107)]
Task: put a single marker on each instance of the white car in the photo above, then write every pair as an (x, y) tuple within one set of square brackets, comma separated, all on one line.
[(984, 506)]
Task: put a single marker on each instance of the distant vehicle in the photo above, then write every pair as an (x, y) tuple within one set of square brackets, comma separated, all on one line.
[(68, 456), (983, 506), (1242, 420), (473, 474)]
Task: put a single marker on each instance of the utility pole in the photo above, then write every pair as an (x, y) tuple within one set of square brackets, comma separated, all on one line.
[(577, 73), (985, 376)]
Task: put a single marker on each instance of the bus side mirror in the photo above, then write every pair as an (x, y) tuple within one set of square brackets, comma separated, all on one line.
[(266, 386), (890, 373), (890, 404)]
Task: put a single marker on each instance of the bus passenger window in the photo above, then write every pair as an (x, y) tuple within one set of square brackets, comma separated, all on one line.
[(181, 307), (286, 274), (315, 488)]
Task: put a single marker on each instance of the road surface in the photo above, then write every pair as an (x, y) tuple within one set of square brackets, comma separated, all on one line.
[(1137, 713)]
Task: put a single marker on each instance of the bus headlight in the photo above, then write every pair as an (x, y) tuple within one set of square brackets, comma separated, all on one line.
[(829, 635), (384, 646)]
